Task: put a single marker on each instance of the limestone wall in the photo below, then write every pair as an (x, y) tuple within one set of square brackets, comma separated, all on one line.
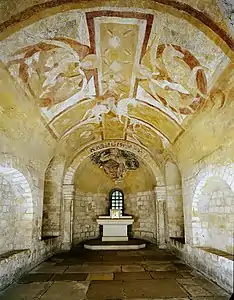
[(92, 187), (206, 160), (213, 265), (213, 215), (26, 147), (174, 201), (142, 207), (87, 208), (175, 213), (52, 199), (8, 216), (20, 228)]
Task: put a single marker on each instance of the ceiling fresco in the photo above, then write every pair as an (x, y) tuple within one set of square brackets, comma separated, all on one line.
[(115, 74)]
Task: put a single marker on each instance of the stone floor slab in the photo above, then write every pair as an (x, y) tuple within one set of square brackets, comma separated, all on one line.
[(37, 277), (132, 268), (70, 277), (93, 269), (160, 299), (187, 274), (186, 281), (153, 289), (49, 269), (212, 298), (82, 274), (25, 291), (181, 266), (165, 274), (210, 286), (160, 267), (196, 291), (100, 290), (100, 276), (67, 290), (155, 262), (132, 276)]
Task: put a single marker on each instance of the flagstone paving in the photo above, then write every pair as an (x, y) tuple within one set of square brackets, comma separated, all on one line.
[(114, 275)]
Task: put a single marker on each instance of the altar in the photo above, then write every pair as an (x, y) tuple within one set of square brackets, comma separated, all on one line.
[(115, 227)]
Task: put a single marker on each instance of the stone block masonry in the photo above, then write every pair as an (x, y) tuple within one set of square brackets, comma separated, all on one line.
[(142, 207), (87, 208)]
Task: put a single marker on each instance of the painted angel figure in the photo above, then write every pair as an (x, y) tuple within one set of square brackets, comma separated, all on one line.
[(54, 70), (173, 77)]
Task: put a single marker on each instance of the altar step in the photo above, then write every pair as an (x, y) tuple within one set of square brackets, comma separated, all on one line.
[(132, 244)]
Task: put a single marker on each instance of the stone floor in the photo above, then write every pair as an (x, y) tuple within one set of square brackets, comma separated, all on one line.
[(114, 275)]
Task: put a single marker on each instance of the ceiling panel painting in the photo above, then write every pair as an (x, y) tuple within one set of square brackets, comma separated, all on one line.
[(113, 128), (107, 73), (156, 118), (78, 138), (79, 115)]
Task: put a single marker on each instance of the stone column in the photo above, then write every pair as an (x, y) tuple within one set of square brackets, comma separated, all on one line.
[(160, 197), (68, 196)]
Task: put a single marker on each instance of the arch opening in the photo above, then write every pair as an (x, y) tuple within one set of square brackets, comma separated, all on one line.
[(16, 210), (52, 200), (213, 215), (116, 200), (92, 196)]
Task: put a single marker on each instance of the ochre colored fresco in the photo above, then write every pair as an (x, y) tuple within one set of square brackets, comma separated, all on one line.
[(90, 178), (136, 95)]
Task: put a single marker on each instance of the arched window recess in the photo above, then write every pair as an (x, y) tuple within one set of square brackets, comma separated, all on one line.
[(117, 200)]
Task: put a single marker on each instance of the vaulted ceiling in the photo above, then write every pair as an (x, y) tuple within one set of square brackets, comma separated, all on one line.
[(108, 72)]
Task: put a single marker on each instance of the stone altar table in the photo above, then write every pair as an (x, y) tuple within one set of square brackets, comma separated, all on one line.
[(115, 229)]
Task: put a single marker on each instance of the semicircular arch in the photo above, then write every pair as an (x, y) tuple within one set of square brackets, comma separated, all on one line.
[(120, 144)]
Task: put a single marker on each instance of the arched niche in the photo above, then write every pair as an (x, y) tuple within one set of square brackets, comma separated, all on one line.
[(213, 214), (69, 183), (16, 210), (51, 219), (92, 186), (174, 200)]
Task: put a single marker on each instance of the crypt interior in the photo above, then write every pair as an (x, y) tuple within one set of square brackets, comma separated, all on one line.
[(116, 149)]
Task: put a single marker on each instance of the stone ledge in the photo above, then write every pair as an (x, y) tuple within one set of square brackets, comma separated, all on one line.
[(11, 254), (208, 261), (97, 244), (218, 252), (11, 264)]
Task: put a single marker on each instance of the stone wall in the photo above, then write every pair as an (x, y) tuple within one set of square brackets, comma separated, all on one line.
[(175, 213), (174, 201), (142, 207), (213, 215), (216, 267), (87, 207), (9, 220), (26, 148), (201, 156), (51, 221), (21, 245)]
